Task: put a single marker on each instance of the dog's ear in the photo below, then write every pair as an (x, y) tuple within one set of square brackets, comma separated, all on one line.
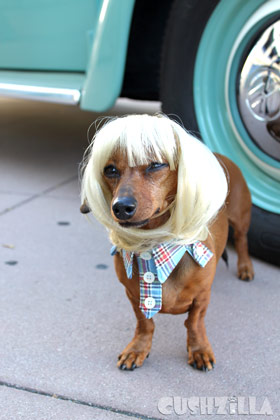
[(84, 208)]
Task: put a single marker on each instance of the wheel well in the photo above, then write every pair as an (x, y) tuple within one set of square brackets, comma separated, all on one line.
[(142, 69)]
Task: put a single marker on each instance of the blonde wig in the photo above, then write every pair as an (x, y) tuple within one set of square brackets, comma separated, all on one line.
[(202, 184)]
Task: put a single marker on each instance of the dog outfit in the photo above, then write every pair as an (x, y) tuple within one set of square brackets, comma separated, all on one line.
[(156, 265)]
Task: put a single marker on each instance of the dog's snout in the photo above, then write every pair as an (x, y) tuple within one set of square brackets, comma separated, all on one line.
[(124, 208)]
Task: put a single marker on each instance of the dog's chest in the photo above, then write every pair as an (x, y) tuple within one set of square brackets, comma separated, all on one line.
[(178, 291)]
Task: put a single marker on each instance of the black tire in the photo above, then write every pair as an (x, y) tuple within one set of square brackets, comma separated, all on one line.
[(185, 27)]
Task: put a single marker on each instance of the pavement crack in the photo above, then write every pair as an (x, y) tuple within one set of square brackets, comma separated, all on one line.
[(35, 196), (78, 401)]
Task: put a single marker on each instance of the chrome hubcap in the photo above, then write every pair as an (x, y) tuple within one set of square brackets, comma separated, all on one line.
[(259, 91)]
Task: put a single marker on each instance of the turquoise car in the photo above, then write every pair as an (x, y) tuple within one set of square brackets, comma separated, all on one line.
[(214, 65)]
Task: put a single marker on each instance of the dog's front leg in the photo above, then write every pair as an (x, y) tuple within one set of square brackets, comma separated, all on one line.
[(139, 348), (200, 353)]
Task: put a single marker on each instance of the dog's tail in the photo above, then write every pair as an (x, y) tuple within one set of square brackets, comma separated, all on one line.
[(225, 257)]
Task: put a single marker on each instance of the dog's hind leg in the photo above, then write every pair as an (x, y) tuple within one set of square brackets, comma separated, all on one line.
[(245, 269), (239, 215), (138, 349), (239, 219)]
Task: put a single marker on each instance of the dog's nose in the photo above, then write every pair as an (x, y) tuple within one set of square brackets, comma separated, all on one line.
[(124, 208)]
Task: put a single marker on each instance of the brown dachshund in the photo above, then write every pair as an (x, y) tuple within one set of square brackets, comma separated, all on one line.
[(139, 197)]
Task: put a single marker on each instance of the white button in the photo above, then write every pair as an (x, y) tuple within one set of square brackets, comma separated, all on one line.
[(145, 255), (149, 277), (150, 302), (199, 251)]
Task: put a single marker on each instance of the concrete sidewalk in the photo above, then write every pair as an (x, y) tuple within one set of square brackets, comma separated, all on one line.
[(65, 317)]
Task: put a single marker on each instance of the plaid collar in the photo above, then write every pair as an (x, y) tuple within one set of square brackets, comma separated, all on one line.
[(156, 265)]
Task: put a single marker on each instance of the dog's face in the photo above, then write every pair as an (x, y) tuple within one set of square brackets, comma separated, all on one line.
[(140, 192)]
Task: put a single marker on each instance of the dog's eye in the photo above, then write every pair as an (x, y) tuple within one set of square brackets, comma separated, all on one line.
[(111, 171), (155, 166)]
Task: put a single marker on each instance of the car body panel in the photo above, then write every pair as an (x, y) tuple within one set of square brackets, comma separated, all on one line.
[(47, 34), (85, 41)]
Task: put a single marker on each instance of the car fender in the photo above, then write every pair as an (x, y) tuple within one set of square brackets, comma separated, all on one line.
[(106, 65)]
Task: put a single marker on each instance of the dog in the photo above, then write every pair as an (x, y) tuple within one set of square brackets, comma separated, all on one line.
[(167, 202)]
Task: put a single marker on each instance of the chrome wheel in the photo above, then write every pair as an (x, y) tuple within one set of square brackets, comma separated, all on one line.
[(259, 91)]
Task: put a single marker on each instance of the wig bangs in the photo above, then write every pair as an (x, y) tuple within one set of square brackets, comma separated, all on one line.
[(139, 138)]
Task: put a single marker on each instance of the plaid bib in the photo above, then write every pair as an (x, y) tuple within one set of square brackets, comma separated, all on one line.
[(156, 265)]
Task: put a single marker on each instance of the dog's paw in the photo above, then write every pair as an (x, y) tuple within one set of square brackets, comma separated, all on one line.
[(129, 360), (202, 359), (246, 271)]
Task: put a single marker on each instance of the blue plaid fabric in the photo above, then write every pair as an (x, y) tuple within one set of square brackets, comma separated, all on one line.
[(155, 267), (152, 291)]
